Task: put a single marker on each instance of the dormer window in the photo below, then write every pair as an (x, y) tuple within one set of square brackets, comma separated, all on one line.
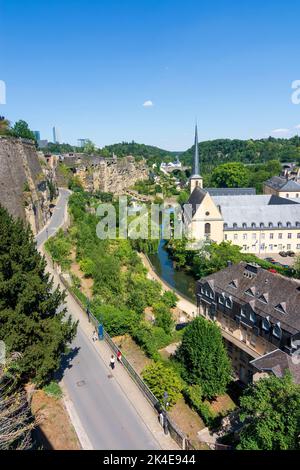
[(250, 291), (234, 283), (277, 330), (288, 224), (270, 224), (235, 225), (253, 225), (252, 317), (281, 307), (261, 225), (279, 224), (222, 298), (264, 298), (244, 225), (225, 225), (229, 302), (266, 325), (243, 314)]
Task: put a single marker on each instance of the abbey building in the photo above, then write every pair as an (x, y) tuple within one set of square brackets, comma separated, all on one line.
[(260, 224)]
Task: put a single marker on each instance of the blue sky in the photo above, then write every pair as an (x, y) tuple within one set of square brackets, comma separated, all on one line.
[(89, 66)]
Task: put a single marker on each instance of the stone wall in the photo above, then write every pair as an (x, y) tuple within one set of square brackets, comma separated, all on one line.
[(108, 175), (23, 182)]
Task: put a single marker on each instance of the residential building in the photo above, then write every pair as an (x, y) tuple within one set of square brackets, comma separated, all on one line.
[(259, 224), (282, 187)]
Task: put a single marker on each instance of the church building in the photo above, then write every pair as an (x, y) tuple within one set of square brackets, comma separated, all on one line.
[(260, 224)]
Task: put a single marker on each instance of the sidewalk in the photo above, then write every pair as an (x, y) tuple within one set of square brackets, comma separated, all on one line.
[(127, 385)]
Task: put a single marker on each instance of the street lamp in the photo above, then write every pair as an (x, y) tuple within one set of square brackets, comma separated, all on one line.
[(165, 420)]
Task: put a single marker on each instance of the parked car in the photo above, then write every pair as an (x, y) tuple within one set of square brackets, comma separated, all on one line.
[(272, 270), (270, 260), (283, 253), (291, 253), (286, 266)]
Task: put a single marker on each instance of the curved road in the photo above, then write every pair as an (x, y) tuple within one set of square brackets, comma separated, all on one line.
[(107, 416)]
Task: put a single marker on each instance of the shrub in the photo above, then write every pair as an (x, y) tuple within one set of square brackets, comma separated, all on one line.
[(193, 395), (151, 338), (163, 317), (169, 298), (116, 321), (161, 379), (53, 390)]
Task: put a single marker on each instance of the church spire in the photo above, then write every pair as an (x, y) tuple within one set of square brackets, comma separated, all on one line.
[(196, 171)]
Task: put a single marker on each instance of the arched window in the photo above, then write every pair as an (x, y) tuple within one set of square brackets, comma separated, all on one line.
[(207, 229), (253, 225), (288, 224), (279, 224), (244, 225), (261, 225), (234, 225), (270, 224), (225, 225)]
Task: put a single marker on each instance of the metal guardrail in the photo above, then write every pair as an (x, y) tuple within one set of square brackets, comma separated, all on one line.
[(176, 434)]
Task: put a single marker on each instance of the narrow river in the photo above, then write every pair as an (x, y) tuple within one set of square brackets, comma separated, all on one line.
[(163, 265)]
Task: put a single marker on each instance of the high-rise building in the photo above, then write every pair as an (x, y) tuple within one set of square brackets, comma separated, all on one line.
[(37, 135), (56, 138), (82, 142)]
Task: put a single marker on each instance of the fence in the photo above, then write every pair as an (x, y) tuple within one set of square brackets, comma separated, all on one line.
[(176, 434)]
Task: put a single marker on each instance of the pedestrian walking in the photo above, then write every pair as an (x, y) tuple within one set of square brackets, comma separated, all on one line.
[(119, 356), (112, 362), (95, 336)]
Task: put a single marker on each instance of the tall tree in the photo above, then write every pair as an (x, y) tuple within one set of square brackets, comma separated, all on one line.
[(29, 320), (230, 175), (270, 410), (21, 129), (204, 357)]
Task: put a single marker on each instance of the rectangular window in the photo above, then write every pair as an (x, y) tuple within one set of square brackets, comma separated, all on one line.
[(298, 235), (253, 236), (235, 236), (280, 236), (245, 236), (298, 246), (271, 236), (280, 246), (263, 236), (271, 247), (289, 235), (225, 236), (288, 246)]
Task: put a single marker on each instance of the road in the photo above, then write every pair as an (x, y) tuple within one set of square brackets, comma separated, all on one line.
[(108, 417)]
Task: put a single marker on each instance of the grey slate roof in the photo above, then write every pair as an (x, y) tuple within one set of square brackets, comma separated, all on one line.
[(279, 289), (231, 191), (282, 184), (258, 209), (196, 198), (278, 362)]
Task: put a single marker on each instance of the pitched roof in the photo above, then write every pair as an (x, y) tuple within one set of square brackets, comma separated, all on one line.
[(258, 209), (196, 198), (282, 184), (280, 290), (278, 362)]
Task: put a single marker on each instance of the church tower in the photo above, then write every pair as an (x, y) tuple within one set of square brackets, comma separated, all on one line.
[(195, 179)]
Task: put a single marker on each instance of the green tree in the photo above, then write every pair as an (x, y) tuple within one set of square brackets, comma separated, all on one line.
[(89, 147), (270, 410), (4, 126), (30, 322), (183, 198), (230, 175), (116, 321), (169, 298), (161, 379), (21, 129), (204, 357), (163, 317)]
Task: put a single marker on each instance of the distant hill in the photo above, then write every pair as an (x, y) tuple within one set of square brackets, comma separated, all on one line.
[(215, 152)]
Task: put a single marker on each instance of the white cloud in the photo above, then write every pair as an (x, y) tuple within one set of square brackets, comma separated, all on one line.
[(148, 104), (297, 127), (280, 131)]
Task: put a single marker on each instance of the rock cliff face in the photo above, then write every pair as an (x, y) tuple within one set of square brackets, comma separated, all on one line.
[(23, 184), (108, 175)]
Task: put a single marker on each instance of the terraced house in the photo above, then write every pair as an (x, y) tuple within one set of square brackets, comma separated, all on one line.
[(259, 315)]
